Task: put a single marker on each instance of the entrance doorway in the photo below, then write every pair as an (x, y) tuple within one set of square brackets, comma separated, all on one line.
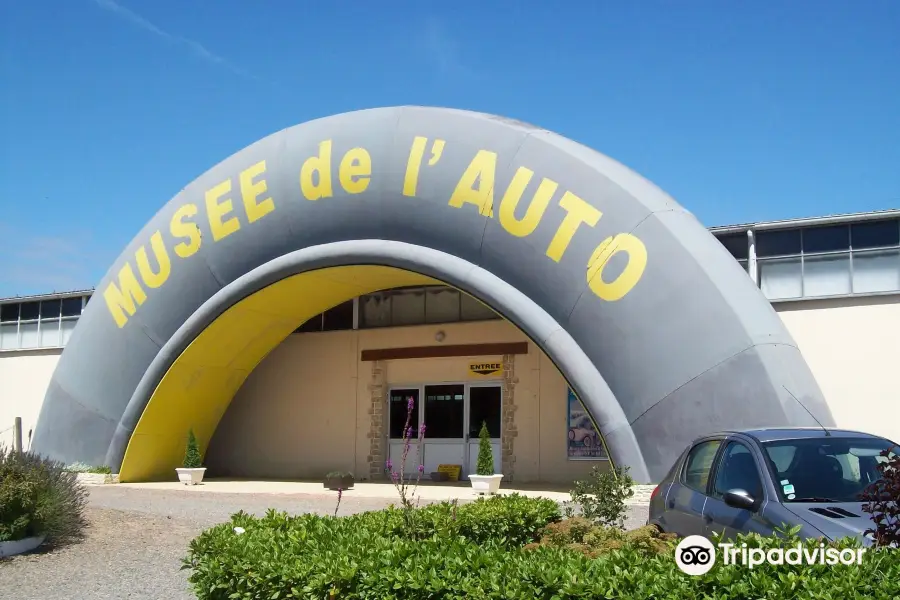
[(453, 414)]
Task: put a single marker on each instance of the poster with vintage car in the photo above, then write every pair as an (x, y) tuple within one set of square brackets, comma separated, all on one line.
[(585, 442)]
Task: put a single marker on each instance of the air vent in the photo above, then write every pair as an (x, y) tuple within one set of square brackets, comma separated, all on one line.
[(833, 512), (827, 512)]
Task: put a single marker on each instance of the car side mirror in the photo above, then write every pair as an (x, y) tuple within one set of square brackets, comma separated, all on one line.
[(738, 498)]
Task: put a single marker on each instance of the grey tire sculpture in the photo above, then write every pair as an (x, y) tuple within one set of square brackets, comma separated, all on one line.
[(653, 324)]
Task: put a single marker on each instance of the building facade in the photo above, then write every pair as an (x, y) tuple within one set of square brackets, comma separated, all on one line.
[(331, 398)]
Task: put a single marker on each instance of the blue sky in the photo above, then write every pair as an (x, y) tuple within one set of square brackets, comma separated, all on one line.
[(742, 111)]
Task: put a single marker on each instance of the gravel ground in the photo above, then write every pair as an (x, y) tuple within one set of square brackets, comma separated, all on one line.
[(136, 540)]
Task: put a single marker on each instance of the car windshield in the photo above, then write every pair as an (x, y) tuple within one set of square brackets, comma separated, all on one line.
[(825, 469)]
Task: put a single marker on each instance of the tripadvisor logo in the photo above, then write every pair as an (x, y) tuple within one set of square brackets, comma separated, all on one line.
[(696, 555)]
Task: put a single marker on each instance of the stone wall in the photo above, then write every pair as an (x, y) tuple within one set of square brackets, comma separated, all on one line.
[(508, 431), (377, 420)]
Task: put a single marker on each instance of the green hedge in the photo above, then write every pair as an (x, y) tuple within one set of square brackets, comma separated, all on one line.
[(509, 521), (370, 557)]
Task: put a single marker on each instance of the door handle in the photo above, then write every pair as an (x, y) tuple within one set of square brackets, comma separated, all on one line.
[(671, 504), (708, 519)]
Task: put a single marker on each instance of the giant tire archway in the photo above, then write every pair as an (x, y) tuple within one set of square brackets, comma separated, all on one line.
[(651, 321)]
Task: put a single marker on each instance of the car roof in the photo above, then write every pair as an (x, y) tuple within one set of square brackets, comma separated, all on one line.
[(792, 433)]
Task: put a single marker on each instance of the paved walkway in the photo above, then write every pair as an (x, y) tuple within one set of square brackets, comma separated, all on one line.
[(428, 491), (138, 535)]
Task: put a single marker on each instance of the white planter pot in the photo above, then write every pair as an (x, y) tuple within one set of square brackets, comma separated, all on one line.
[(20, 546), (485, 484), (190, 476)]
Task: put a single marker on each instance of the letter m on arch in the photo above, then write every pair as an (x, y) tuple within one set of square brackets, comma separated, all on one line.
[(123, 299)]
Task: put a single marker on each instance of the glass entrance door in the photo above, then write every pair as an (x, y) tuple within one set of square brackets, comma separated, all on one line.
[(485, 407), (452, 414), (445, 417), (399, 418)]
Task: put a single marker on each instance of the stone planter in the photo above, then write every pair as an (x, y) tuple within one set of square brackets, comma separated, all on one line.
[(20, 546), (190, 476), (96, 478), (485, 484), (342, 482)]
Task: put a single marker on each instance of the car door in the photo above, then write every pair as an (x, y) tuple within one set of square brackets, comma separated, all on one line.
[(687, 496), (737, 467)]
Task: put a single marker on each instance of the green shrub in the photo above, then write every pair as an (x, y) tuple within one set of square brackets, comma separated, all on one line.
[(592, 540), (602, 496), (485, 464), (338, 474), (86, 468), (39, 496), (510, 521), (192, 459), (313, 557)]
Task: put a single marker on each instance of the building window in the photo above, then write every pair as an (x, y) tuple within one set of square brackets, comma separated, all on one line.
[(876, 256), (338, 318), (311, 325), (875, 234), (442, 305), (781, 278), (445, 411), (9, 326), (471, 309), (738, 245), (375, 310), (876, 271), (420, 305), (784, 242), (485, 406), (407, 306), (34, 324), (831, 260), (826, 275), (398, 412)]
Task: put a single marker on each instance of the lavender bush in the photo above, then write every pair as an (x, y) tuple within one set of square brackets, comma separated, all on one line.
[(340, 494), (408, 500)]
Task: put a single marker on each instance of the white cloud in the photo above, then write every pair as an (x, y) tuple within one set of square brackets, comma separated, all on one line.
[(195, 47)]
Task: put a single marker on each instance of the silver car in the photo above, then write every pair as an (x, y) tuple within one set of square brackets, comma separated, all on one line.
[(755, 481)]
